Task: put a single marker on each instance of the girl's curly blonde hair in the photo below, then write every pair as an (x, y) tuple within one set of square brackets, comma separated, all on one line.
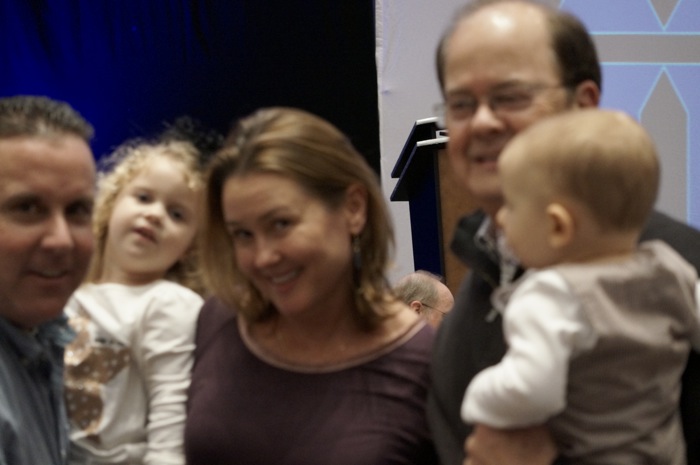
[(121, 167)]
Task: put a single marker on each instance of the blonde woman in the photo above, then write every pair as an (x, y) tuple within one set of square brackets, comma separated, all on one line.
[(305, 356)]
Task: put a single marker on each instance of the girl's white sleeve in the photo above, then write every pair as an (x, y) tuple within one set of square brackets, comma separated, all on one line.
[(543, 327), (167, 350)]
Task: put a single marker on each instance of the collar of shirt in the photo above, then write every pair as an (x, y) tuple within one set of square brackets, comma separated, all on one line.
[(492, 241), (31, 346), (485, 238), (509, 262)]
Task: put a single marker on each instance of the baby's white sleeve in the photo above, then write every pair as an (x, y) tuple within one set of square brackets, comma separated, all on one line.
[(543, 327)]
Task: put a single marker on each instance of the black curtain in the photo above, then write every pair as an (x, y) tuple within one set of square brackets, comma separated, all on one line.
[(131, 65)]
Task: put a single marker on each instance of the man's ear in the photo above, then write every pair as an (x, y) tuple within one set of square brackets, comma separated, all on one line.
[(562, 226), (356, 208), (416, 306), (586, 94)]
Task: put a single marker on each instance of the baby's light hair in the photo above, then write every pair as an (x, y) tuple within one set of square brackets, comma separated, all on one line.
[(600, 158), (120, 168)]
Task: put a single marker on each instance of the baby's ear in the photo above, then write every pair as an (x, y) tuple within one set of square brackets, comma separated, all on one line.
[(562, 226)]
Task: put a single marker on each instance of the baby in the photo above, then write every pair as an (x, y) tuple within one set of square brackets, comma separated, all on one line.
[(600, 328)]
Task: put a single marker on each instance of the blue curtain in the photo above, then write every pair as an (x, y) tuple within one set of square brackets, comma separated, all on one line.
[(130, 65)]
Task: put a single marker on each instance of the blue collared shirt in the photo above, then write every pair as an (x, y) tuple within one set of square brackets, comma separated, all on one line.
[(33, 422)]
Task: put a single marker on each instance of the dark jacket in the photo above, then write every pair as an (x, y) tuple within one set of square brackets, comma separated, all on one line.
[(469, 340)]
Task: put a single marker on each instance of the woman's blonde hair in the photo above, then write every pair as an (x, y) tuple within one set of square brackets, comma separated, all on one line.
[(315, 154), (120, 168)]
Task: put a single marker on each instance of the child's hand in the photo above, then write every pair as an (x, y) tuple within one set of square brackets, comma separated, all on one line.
[(526, 446)]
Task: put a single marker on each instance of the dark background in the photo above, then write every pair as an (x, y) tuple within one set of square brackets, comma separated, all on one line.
[(130, 65)]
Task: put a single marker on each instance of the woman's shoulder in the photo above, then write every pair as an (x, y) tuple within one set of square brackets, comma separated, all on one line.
[(214, 316), (401, 335), (407, 330)]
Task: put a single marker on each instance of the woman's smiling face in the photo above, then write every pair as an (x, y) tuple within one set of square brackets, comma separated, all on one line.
[(293, 247)]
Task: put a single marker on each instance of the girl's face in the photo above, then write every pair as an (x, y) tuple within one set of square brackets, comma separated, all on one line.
[(153, 224), (294, 249)]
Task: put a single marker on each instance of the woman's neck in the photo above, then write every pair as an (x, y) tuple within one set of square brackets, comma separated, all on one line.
[(331, 339)]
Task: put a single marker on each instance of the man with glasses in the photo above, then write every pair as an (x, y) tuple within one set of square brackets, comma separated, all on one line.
[(426, 294), (504, 65)]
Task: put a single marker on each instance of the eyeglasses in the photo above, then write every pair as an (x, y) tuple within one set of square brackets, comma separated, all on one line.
[(433, 308), (502, 102)]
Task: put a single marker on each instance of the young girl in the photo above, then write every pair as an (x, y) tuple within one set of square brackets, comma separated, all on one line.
[(128, 370), (304, 355)]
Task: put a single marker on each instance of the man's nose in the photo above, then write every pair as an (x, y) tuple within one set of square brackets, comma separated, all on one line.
[(485, 116), (58, 233)]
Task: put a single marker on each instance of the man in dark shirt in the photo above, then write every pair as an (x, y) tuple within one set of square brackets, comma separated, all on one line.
[(503, 65)]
